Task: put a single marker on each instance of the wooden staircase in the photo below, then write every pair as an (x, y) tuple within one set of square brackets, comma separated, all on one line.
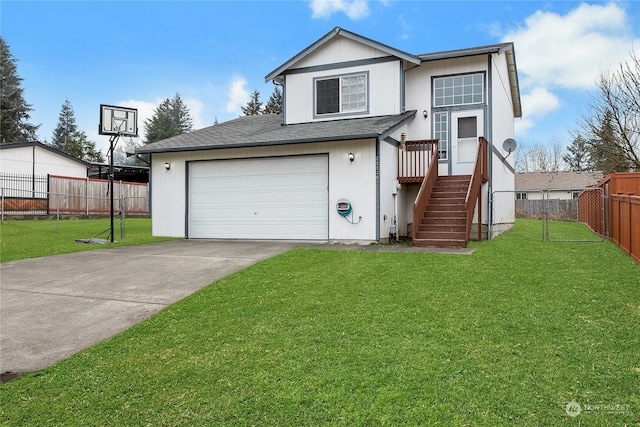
[(444, 222)]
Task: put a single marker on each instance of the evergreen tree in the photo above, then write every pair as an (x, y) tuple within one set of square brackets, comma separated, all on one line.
[(274, 105), (605, 151), (14, 110), (65, 128), (78, 145), (170, 118), (67, 138), (577, 157), (254, 106)]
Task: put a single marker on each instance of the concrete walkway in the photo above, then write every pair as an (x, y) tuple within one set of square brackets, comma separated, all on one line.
[(53, 307)]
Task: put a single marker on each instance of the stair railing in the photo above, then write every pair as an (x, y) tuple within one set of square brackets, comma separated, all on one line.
[(474, 193), (422, 200)]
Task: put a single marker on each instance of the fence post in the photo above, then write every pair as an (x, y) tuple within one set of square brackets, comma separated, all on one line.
[(122, 215), (2, 208), (58, 215), (86, 195)]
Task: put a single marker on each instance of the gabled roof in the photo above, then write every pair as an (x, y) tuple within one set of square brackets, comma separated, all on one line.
[(267, 129), (506, 48), (44, 147), (337, 31), (561, 180)]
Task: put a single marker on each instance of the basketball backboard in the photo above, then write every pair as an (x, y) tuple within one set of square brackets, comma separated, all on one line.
[(118, 121)]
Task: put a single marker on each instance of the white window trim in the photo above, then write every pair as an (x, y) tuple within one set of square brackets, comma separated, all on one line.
[(454, 104), (340, 113)]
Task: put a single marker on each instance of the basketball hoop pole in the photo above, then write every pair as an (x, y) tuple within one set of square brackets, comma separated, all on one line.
[(113, 141)]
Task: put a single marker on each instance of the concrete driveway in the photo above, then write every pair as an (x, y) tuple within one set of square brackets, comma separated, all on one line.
[(53, 307)]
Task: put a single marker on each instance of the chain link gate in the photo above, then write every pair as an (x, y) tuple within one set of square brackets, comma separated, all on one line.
[(566, 219), (508, 206)]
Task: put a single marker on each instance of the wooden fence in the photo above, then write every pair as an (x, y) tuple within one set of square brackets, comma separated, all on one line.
[(622, 212), (556, 209), (91, 196), (52, 194)]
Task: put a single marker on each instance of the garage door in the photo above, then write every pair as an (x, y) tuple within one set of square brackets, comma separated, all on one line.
[(265, 198)]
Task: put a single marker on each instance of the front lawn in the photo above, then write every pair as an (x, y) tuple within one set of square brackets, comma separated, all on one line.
[(35, 238), (506, 336)]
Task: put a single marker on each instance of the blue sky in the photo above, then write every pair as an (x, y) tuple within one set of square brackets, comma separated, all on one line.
[(214, 53)]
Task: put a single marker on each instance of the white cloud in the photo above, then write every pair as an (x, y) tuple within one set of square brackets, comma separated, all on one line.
[(238, 95), (145, 111), (571, 50), (539, 102), (565, 52), (195, 109), (354, 9)]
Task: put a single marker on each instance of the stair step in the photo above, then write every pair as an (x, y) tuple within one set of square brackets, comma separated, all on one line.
[(431, 234), (439, 243), (442, 228), (447, 200), (444, 220), (446, 207), (443, 224)]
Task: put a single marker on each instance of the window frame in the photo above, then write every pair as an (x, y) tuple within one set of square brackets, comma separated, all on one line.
[(458, 78), (341, 111), (443, 144)]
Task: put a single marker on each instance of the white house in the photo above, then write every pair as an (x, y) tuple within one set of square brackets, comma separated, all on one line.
[(558, 185), (349, 155), (36, 158)]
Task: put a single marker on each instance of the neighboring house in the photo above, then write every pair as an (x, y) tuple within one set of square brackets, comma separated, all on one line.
[(347, 158), (560, 185), (36, 158)]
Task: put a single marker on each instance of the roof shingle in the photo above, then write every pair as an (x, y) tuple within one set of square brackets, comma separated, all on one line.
[(266, 129)]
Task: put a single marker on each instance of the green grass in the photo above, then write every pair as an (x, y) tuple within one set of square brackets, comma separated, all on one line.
[(506, 336), (32, 239)]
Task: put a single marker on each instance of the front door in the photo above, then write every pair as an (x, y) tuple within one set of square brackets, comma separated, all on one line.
[(466, 127)]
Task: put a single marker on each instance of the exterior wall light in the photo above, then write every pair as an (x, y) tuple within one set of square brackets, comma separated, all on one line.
[(351, 157), (167, 165), (425, 113)]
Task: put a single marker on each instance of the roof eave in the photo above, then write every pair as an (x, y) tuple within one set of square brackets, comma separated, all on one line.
[(258, 143), (348, 34)]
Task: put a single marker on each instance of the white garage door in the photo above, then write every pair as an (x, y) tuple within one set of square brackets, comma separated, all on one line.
[(265, 198)]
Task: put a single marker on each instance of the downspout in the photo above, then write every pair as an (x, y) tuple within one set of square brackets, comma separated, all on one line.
[(377, 189), (33, 171), (489, 149), (403, 78)]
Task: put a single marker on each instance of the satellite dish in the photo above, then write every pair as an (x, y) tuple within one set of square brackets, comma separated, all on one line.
[(509, 145)]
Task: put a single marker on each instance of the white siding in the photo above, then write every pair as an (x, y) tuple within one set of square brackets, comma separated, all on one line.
[(339, 49), (20, 160), (384, 81), (354, 181)]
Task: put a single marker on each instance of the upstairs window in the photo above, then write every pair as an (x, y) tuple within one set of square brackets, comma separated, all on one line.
[(342, 95), (458, 90)]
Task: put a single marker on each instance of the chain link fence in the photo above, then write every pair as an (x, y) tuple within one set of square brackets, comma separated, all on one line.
[(567, 219), (562, 215), (508, 206)]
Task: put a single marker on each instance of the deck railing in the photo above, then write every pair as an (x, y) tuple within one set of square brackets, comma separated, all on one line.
[(415, 159), (474, 193), (422, 199)]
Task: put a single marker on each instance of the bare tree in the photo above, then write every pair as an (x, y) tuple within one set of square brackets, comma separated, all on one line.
[(612, 130), (539, 158)]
